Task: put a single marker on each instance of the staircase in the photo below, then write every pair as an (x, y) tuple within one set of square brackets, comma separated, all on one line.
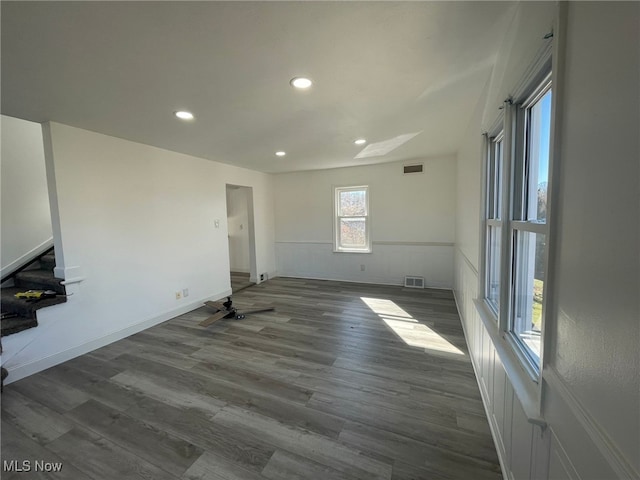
[(20, 314)]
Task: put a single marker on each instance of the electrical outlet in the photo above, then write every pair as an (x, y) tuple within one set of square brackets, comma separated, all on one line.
[(362, 268), (185, 292), (178, 295), (216, 223)]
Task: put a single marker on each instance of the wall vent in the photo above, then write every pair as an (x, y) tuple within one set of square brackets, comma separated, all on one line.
[(416, 168), (414, 282)]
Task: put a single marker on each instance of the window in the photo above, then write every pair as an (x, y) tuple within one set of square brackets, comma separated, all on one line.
[(351, 211), (529, 224), (494, 222), (515, 219)]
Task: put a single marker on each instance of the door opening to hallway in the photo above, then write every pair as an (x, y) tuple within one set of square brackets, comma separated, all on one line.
[(241, 237)]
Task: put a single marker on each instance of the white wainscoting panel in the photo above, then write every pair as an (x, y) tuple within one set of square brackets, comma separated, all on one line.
[(572, 446), (579, 449), (521, 442), (388, 263), (560, 467), (522, 447)]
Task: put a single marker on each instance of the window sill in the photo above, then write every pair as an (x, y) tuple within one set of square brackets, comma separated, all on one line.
[(525, 385), (351, 251)]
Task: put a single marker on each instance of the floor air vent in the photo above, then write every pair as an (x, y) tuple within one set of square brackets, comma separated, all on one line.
[(414, 282)]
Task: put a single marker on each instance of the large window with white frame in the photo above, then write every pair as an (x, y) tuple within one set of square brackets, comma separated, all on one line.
[(515, 219), (351, 219), (529, 230)]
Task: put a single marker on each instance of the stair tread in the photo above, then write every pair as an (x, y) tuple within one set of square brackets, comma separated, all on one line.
[(39, 274), (10, 304), (39, 279), (35, 279), (17, 324)]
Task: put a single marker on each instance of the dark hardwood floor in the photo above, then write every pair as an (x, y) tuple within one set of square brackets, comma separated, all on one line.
[(342, 381)]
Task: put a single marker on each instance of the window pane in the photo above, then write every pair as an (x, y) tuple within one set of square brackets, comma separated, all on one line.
[(539, 116), (528, 291), (353, 203), (491, 187), (498, 180), (353, 233), (494, 179), (493, 267)]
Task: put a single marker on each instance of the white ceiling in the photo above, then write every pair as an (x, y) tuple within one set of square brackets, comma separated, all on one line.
[(380, 70)]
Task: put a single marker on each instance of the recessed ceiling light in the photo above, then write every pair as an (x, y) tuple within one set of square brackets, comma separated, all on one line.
[(300, 82), (184, 115), (281, 153), (360, 141)]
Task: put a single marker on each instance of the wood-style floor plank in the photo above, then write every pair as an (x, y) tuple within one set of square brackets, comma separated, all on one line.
[(342, 382), (314, 447), (214, 467), (157, 446), (287, 466), (18, 447), (34, 419), (100, 457)]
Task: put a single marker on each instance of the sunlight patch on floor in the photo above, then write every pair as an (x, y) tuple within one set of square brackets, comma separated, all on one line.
[(385, 307), (410, 330)]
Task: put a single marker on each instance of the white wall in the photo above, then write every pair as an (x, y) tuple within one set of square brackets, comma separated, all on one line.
[(596, 333), (590, 393), (238, 226), (26, 218), (412, 224), (521, 42), (137, 223), (468, 189)]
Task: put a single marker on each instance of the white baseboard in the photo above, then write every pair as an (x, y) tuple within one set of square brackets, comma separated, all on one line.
[(270, 275), (17, 372), (27, 257)]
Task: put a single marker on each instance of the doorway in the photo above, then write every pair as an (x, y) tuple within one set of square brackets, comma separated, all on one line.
[(242, 257)]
